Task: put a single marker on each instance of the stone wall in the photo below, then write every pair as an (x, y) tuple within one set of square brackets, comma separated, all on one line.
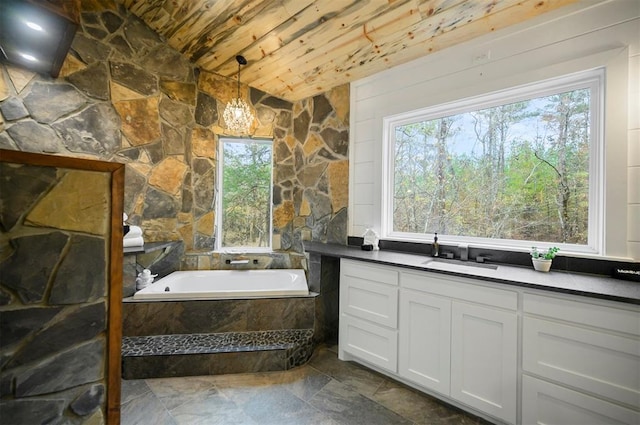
[(125, 95), (161, 257), (53, 294)]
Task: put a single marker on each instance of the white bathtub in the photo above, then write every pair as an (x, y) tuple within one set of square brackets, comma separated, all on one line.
[(215, 284)]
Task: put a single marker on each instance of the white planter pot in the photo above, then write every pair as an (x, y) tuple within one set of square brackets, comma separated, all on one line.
[(541, 265)]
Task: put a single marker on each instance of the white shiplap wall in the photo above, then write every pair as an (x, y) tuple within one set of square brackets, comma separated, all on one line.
[(585, 35)]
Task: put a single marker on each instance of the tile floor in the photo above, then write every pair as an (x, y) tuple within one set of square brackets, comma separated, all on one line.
[(324, 391)]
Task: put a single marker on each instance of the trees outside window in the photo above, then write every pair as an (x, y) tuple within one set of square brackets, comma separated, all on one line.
[(516, 165), (244, 185)]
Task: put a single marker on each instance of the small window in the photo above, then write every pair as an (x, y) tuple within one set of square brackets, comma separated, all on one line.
[(515, 167), (244, 187)]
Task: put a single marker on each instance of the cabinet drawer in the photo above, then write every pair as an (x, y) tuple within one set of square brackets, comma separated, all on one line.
[(372, 343), (369, 300), (369, 272), (618, 317), (597, 362), (546, 403), (460, 288)]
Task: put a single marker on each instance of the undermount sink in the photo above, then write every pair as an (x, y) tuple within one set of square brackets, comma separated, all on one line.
[(435, 262)]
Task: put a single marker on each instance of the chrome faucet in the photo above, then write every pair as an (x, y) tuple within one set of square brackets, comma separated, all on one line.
[(244, 261), (464, 251)]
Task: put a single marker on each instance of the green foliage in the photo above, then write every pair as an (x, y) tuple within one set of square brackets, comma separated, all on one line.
[(549, 255), (518, 171), (246, 194)]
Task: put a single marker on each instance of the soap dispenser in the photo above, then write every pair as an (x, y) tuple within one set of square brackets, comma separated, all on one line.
[(436, 246)]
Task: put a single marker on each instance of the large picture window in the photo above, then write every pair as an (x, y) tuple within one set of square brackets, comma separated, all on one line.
[(244, 187), (515, 167)]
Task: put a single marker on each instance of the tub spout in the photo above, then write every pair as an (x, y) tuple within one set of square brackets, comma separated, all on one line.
[(239, 262)]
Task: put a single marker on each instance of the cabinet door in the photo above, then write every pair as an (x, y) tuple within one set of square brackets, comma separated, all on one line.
[(484, 359), (425, 340), (546, 403), (372, 343)]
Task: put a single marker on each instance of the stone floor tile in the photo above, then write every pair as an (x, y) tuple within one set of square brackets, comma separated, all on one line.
[(341, 403), (304, 382), (275, 405), (173, 392), (214, 409), (132, 388), (325, 391), (351, 374), (256, 380), (413, 405), (145, 410), (333, 348)]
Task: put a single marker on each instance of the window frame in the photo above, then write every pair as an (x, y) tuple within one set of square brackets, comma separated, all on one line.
[(219, 190), (593, 79)]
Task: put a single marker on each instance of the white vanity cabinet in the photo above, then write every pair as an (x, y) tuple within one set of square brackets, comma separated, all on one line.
[(460, 338), (369, 313), (452, 336), (581, 361), (513, 354)]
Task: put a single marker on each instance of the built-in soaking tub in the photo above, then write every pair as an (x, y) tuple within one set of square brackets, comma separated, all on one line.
[(219, 284)]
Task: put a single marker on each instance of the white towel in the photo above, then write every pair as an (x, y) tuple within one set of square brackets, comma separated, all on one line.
[(134, 232), (137, 241)]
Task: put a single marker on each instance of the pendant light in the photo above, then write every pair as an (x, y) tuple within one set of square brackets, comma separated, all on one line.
[(237, 115)]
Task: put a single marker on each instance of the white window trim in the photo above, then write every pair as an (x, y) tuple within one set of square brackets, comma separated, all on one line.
[(593, 79), (218, 199)]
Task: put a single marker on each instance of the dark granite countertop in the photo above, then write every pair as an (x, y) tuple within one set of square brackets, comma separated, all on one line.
[(595, 286)]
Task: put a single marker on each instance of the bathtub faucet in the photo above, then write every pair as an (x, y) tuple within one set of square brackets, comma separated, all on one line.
[(240, 261)]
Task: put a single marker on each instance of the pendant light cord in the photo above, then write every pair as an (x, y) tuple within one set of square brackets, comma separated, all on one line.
[(241, 61), (239, 79)]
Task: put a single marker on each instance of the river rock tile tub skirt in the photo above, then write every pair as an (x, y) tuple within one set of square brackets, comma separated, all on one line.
[(159, 356)]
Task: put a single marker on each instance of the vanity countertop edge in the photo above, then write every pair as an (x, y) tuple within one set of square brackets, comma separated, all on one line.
[(594, 286)]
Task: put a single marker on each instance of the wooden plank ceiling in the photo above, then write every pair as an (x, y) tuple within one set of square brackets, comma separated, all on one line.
[(299, 48)]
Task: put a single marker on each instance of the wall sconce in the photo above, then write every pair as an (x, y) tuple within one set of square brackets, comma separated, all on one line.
[(237, 115)]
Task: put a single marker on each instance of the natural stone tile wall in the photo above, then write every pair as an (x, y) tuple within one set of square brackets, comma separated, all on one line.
[(161, 257), (218, 261), (125, 95), (53, 294)]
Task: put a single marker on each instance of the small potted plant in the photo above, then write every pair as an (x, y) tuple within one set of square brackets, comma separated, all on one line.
[(542, 260)]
